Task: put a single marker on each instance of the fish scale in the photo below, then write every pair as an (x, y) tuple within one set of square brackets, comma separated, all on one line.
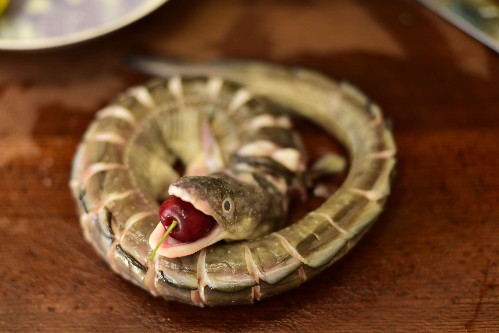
[(116, 182)]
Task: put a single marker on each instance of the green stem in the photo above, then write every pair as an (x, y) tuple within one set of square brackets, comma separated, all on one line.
[(161, 241)]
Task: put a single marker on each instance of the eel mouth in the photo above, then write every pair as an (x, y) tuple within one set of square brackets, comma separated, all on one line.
[(200, 205), (173, 248)]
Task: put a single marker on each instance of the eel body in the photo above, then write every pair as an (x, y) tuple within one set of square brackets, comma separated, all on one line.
[(126, 162)]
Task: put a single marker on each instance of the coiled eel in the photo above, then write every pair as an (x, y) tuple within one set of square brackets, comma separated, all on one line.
[(126, 161)]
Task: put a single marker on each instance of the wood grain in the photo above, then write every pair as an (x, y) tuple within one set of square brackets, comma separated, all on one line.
[(430, 263)]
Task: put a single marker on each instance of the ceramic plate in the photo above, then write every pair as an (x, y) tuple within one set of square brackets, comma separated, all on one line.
[(42, 24)]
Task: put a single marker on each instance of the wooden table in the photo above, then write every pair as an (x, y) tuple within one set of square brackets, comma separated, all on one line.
[(430, 263)]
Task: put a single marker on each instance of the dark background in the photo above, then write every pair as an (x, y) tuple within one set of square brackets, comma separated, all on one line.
[(430, 263)]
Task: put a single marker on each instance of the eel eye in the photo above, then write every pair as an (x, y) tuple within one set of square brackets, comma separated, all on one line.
[(228, 206)]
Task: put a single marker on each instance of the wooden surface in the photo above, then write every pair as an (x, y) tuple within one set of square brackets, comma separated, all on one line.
[(430, 263)]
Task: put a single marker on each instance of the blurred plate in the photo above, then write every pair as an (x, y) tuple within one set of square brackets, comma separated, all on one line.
[(42, 24), (479, 18)]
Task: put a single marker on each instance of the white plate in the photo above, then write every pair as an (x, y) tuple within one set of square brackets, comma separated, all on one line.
[(42, 24)]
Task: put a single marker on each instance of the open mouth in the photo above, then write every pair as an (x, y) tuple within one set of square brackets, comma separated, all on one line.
[(198, 204), (172, 248), (197, 227)]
